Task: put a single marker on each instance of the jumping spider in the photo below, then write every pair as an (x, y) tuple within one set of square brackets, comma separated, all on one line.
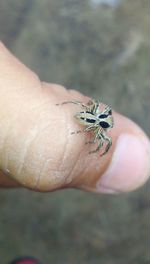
[(96, 120)]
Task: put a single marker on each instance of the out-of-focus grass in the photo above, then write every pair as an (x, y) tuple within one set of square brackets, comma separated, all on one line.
[(104, 52)]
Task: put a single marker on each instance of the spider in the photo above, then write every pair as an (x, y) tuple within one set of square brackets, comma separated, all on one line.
[(95, 120)]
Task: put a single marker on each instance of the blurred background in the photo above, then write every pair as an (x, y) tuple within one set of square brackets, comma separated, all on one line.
[(101, 48)]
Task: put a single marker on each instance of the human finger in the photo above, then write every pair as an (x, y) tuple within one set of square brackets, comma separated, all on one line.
[(38, 151)]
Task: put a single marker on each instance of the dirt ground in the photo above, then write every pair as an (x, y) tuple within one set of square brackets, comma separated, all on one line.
[(104, 47)]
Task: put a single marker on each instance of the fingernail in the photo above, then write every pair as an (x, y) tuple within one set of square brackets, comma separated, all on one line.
[(130, 165)]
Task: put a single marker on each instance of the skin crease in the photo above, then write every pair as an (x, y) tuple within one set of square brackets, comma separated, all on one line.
[(37, 150)]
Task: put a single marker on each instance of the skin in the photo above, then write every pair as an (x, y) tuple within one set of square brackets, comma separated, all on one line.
[(37, 150)]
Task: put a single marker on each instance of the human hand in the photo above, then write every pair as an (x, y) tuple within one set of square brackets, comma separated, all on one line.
[(37, 150)]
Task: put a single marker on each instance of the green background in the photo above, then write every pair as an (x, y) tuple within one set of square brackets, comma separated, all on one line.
[(103, 51)]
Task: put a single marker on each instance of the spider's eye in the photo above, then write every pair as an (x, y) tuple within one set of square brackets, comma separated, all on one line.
[(104, 124)]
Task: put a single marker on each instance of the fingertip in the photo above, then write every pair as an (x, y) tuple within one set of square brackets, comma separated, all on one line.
[(124, 168), (129, 167), (127, 164)]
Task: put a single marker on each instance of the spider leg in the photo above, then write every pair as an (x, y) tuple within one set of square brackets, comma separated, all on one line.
[(96, 135), (99, 146), (91, 106), (97, 106), (94, 105), (107, 138), (107, 109), (84, 130), (77, 103), (91, 127)]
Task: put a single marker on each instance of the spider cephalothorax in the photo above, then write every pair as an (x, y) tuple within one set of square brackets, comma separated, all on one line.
[(97, 119)]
